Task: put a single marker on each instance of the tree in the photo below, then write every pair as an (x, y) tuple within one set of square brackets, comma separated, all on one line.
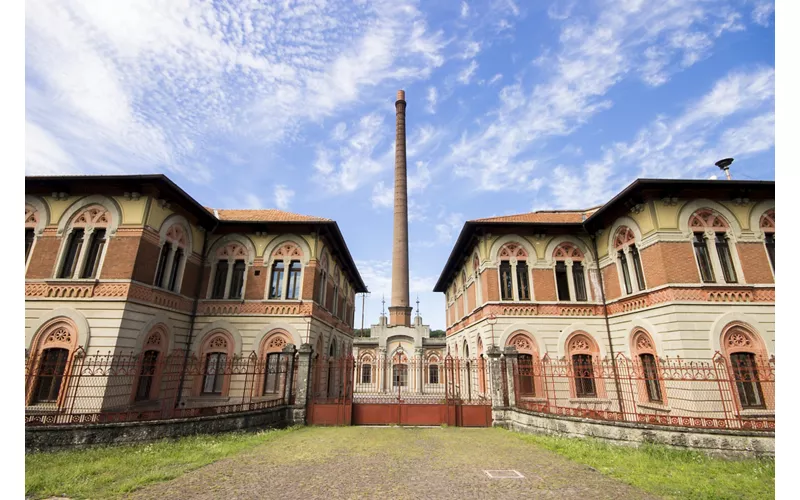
[(437, 334)]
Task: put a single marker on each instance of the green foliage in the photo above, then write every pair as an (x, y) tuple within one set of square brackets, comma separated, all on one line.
[(437, 334), (112, 470), (668, 472), (358, 332)]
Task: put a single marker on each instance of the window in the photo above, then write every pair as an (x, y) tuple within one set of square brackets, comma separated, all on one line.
[(271, 375), (50, 375), (220, 277), (73, 250), (162, 265), (522, 281), (237, 280), (637, 267), (725, 260), (335, 295), (525, 367), (562, 281), (146, 375), (769, 241), (96, 242), (173, 275), (214, 373), (506, 286), (579, 281), (366, 374), (701, 251), (399, 375), (650, 372), (433, 374), (293, 290), (745, 373), (584, 376), (29, 235), (626, 276), (275, 282), (323, 277)]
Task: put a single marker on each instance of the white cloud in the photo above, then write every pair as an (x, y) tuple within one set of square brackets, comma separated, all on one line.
[(560, 12), (420, 179), (466, 74), (432, 97), (382, 196), (762, 12), (448, 227), (471, 49), (283, 196), (496, 78), (464, 9)]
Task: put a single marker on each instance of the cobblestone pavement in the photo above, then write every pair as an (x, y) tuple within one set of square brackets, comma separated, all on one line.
[(397, 463)]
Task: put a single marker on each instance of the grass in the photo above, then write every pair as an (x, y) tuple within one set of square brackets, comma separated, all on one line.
[(668, 472), (110, 471)]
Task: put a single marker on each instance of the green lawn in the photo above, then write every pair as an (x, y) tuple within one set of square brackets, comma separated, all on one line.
[(668, 472), (110, 471)]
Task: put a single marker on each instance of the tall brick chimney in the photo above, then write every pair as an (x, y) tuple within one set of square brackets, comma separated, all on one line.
[(400, 311)]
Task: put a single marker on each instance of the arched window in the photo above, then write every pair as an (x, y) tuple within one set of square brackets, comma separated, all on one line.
[(366, 369), (85, 243), (583, 354), (648, 369), (747, 357), (286, 263), (31, 221), (514, 280), (271, 348), (151, 361), (711, 241), (628, 261), (172, 258), (323, 279), (767, 225), (528, 370), (399, 369), (50, 362), (570, 273), (216, 354), (335, 291), (229, 266), (434, 369)]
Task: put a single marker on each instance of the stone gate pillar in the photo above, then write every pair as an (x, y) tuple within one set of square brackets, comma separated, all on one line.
[(510, 354), (303, 384), (495, 377)]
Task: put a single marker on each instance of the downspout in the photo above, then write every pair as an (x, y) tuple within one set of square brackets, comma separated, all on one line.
[(195, 304), (608, 326)]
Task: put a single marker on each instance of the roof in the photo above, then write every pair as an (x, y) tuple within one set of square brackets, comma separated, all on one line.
[(264, 215), (591, 219)]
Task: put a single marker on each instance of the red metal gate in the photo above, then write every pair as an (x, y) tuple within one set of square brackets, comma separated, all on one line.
[(330, 400), (417, 391)]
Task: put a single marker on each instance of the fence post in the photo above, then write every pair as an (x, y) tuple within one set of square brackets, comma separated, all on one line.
[(496, 381), (510, 353), (287, 354), (303, 379)]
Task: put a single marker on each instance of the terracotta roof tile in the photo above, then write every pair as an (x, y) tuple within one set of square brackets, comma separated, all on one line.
[(266, 215), (543, 216)]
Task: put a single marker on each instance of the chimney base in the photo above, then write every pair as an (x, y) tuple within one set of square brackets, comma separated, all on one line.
[(400, 316)]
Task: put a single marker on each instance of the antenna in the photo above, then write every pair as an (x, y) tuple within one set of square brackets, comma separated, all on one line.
[(724, 165), (383, 305), (418, 306)]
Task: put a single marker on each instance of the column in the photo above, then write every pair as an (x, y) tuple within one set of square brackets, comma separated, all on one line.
[(713, 256), (420, 364), (510, 353), (570, 280), (383, 364), (496, 384), (631, 270), (303, 380), (514, 284), (168, 266), (87, 239), (228, 280)]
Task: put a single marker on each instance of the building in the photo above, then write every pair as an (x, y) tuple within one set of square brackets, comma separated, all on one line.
[(687, 269), (133, 264)]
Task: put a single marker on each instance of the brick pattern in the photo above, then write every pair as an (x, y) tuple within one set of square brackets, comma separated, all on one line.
[(120, 258), (611, 281), (471, 290), (43, 257), (490, 285), (255, 288), (144, 269), (329, 297), (544, 286), (669, 262), (205, 279), (755, 263), (190, 276), (310, 278)]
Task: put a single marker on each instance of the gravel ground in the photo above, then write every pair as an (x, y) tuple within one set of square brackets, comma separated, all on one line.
[(394, 462)]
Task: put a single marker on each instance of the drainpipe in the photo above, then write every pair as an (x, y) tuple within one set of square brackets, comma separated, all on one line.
[(608, 326), (195, 304)]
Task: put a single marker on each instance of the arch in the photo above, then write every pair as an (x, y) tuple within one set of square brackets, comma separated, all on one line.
[(166, 231), (52, 352), (720, 325), (215, 341), (583, 328), (640, 324), (290, 331), (511, 330), (646, 366), (580, 342), (40, 211), (627, 222), (739, 336), (524, 343), (159, 328), (273, 342), (567, 251), (748, 366), (693, 206), (109, 204), (284, 239), (226, 326), (757, 212), (512, 250), (767, 221), (587, 379), (494, 252), (642, 343), (556, 242), (623, 237), (76, 318), (58, 332), (707, 218), (243, 240), (466, 349)]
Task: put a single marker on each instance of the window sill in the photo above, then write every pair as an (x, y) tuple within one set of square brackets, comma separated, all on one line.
[(42, 408), (654, 406), (757, 413), (597, 401), (213, 398)]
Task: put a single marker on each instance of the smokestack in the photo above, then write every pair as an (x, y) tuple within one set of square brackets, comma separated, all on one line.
[(724, 165), (400, 311)]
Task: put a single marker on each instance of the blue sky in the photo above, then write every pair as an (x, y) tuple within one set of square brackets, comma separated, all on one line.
[(512, 106)]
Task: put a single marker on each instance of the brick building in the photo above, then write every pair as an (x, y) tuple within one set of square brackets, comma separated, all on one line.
[(687, 269), (134, 264)]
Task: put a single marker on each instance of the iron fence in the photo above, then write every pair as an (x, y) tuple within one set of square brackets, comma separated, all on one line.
[(82, 388), (736, 393)]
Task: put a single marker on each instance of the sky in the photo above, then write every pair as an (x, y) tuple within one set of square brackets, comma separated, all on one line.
[(513, 106)]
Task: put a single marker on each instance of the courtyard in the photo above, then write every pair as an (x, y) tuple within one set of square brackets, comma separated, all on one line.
[(390, 462)]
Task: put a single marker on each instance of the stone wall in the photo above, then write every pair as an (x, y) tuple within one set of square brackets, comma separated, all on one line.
[(82, 436), (724, 443)]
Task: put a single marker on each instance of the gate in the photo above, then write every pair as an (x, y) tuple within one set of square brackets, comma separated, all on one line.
[(416, 391), (330, 398)]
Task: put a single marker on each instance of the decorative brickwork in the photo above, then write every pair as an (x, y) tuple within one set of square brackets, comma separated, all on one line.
[(755, 263), (120, 258)]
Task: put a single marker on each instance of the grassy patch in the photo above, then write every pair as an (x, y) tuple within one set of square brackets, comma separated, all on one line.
[(669, 472), (112, 470)]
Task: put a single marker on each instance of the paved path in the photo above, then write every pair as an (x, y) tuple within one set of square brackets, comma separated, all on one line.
[(396, 463)]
